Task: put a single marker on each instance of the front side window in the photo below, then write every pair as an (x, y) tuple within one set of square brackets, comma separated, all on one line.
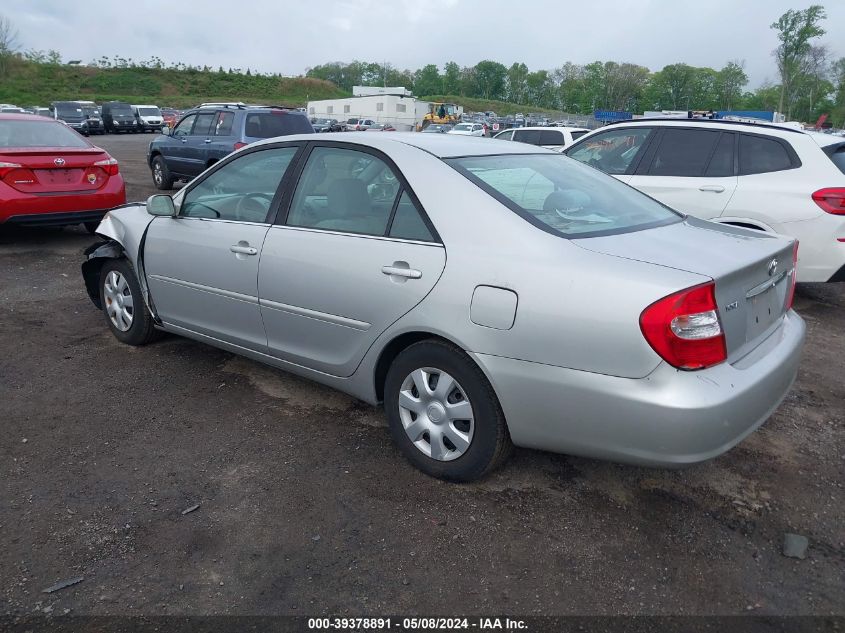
[(184, 126), (505, 136), (344, 190), (683, 152), (563, 197), (759, 155), (241, 190), (202, 126), (612, 152)]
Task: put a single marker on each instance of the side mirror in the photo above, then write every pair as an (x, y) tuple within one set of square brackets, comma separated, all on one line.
[(165, 130), (161, 204)]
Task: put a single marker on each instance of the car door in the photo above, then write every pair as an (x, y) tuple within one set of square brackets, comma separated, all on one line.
[(174, 148), (353, 253), (197, 154), (202, 266), (616, 151), (690, 169)]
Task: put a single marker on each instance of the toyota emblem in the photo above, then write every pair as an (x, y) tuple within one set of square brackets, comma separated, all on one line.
[(59, 162), (773, 267)]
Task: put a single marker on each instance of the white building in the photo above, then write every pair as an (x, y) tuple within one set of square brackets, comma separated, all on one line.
[(383, 105)]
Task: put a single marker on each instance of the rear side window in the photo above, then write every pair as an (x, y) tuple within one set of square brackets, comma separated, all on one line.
[(579, 134), (270, 124), (722, 162), (838, 158), (683, 152), (760, 155), (552, 137), (561, 196), (527, 136), (407, 222), (613, 152), (223, 123)]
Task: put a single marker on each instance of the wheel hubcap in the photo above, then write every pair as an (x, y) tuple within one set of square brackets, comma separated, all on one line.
[(157, 175), (436, 414), (120, 307)]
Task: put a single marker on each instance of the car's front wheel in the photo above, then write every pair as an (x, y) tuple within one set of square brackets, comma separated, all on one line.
[(161, 175), (443, 413), (123, 305)]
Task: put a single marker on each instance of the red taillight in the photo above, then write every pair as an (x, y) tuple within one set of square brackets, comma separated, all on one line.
[(831, 200), (790, 295), (684, 328), (5, 168), (240, 145), (16, 177), (109, 165)]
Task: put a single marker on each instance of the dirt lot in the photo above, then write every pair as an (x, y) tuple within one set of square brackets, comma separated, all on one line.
[(307, 509)]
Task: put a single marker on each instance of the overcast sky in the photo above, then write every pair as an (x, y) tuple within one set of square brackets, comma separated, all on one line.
[(289, 37)]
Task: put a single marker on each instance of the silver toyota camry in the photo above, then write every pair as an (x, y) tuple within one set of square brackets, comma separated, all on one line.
[(488, 293)]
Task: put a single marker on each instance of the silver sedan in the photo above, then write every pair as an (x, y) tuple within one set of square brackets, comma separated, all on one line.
[(488, 293)]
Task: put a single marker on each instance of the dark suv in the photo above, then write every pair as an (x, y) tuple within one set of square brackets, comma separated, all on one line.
[(72, 114), (206, 134)]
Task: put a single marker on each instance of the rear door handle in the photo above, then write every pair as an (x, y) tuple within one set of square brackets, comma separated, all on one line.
[(208, 140), (712, 188), (401, 271), (243, 250)]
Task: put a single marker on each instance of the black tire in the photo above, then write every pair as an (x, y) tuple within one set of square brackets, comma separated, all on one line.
[(162, 177), (91, 227), (142, 330), (490, 445)]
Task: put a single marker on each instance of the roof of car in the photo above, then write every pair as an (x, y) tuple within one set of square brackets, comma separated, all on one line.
[(550, 127), (764, 125), (440, 145), (20, 116)]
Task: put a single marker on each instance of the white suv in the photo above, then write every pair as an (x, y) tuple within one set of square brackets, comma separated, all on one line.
[(764, 177), (556, 138)]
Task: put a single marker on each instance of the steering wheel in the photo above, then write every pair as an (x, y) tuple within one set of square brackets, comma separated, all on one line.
[(251, 206)]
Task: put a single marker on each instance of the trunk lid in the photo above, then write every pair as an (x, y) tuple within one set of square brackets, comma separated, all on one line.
[(54, 170), (752, 270)]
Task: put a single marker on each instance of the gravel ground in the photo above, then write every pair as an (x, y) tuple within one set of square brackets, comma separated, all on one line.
[(306, 508)]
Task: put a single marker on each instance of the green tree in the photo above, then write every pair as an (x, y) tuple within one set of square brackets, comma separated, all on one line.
[(516, 86), (837, 69), (489, 77), (427, 81), (451, 79), (729, 84), (8, 44), (796, 29)]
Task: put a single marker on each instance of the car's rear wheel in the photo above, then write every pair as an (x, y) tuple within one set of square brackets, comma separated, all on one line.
[(161, 175), (443, 413), (123, 304)]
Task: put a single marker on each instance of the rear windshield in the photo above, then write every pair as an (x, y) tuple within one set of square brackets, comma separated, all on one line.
[(268, 124), (838, 158), (38, 134), (149, 112), (562, 196)]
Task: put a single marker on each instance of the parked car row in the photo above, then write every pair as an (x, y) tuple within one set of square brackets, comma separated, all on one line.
[(86, 117)]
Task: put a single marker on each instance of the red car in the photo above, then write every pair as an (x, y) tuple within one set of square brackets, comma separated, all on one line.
[(50, 175), (170, 117)]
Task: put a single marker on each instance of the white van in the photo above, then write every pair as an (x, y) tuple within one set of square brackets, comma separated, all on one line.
[(149, 117)]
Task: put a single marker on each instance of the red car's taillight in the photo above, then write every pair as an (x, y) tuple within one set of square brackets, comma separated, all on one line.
[(5, 168), (109, 165), (239, 145), (831, 200), (790, 295), (684, 328)]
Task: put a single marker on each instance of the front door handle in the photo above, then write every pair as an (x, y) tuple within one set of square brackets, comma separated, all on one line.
[(208, 140), (243, 249), (712, 188), (401, 269)]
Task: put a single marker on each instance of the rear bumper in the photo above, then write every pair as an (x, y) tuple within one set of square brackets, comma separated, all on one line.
[(669, 418), (65, 208)]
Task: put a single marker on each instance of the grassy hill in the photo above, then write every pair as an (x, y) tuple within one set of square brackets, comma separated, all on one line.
[(38, 84)]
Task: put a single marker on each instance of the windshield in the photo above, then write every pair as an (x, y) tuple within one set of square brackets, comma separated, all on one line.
[(91, 111), (462, 127), (563, 196), (63, 109), (39, 134), (149, 112), (122, 110)]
